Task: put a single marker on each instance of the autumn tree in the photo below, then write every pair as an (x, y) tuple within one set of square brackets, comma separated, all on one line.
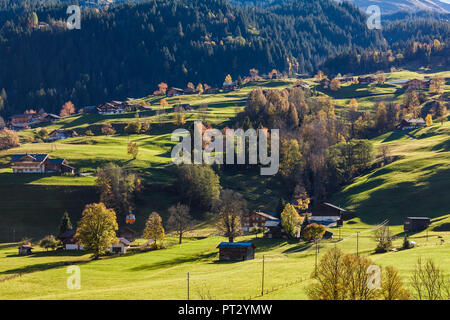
[(335, 84), (67, 109), (8, 139), (162, 88), (154, 228), (313, 232), (231, 207), (429, 120), (228, 79), (392, 287), (437, 85), (133, 127), (107, 129), (133, 149), (291, 221), (97, 229), (199, 88), (428, 281), (179, 119), (179, 220), (49, 242)]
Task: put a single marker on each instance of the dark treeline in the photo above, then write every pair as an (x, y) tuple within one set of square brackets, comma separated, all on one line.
[(129, 48), (417, 42)]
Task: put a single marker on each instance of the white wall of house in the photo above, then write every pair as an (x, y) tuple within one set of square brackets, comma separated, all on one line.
[(325, 218)]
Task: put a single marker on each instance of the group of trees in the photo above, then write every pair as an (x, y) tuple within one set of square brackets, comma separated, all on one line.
[(342, 276), (316, 146)]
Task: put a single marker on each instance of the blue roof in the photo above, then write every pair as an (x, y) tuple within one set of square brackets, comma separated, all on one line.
[(38, 157), (56, 161), (234, 245)]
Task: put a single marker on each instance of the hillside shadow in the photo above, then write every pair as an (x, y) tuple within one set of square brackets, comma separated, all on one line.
[(173, 262)]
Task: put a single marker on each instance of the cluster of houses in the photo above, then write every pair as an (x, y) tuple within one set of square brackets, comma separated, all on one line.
[(26, 120), (39, 163)]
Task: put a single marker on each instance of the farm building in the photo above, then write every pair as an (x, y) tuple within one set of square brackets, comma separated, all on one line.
[(171, 92), (25, 250), (327, 213), (126, 233), (411, 124), (39, 163), (69, 241), (416, 84), (256, 219), (229, 86), (412, 224), (61, 134), (238, 251), (274, 229), (120, 247), (211, 90)]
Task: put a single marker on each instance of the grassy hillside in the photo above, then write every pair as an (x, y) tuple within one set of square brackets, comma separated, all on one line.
[(415, 185), (423, 163), (162, 274)]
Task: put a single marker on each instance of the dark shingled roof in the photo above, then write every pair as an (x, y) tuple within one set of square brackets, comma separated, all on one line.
[(56, 161), (233, 245), (38, 157)]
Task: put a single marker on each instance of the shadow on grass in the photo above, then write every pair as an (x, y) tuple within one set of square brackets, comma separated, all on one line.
[(173, 262)]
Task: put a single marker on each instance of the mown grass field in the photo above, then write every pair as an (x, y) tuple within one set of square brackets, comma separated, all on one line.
[(162, 274)]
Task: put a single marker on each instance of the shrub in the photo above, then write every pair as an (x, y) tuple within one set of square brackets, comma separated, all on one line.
[(8, 139), (49, 242), (313, 231), (133, 127), (107, 129)]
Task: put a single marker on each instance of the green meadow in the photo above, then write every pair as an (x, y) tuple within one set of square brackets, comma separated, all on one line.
[(162, 274)]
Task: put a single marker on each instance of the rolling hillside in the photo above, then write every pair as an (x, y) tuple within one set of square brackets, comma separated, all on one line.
[(388, 6)]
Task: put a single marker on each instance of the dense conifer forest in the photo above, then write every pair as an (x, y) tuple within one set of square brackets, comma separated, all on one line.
[(127, 49)]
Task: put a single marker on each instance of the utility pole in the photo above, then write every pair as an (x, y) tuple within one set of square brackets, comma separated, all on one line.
[(357, 243), (188, 285), (339, 227), (262, 279), (14, 235)]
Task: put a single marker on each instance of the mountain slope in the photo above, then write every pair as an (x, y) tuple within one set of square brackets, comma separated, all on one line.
[(388, 6), (414, 185)]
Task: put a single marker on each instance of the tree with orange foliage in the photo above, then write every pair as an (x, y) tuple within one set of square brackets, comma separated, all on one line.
[(162, 87), (67, 109)]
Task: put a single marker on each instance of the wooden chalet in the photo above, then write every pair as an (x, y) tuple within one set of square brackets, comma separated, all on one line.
[(69, 241), (88, 110), (407, 124), (416, 84), (229, 86), (211, 91), (112, 107), (256, 219), (61, 134), (39, 163), (274, 229), (367, 79), (189, 90), (126, 233), (120, 247), (413, 224), (327, 214), (171, 92), (236, 251)]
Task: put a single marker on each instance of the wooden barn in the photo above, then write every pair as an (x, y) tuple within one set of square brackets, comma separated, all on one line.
[(25, 250), (238, 251), (327, 213), (412, 224)]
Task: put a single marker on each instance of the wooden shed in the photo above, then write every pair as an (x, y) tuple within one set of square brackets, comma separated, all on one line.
[(25, 250), (239, 251), (412, 224)]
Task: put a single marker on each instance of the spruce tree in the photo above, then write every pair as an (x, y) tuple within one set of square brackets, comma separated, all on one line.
[(65, 224)]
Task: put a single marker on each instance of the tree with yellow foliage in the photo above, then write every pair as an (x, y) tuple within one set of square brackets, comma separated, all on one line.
[(228, 79), (291, 221), (231, 207), (97, 228), (154, 228), (429, 120)]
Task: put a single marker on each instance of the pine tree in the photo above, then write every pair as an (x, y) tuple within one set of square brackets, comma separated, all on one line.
[(65, 224)]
